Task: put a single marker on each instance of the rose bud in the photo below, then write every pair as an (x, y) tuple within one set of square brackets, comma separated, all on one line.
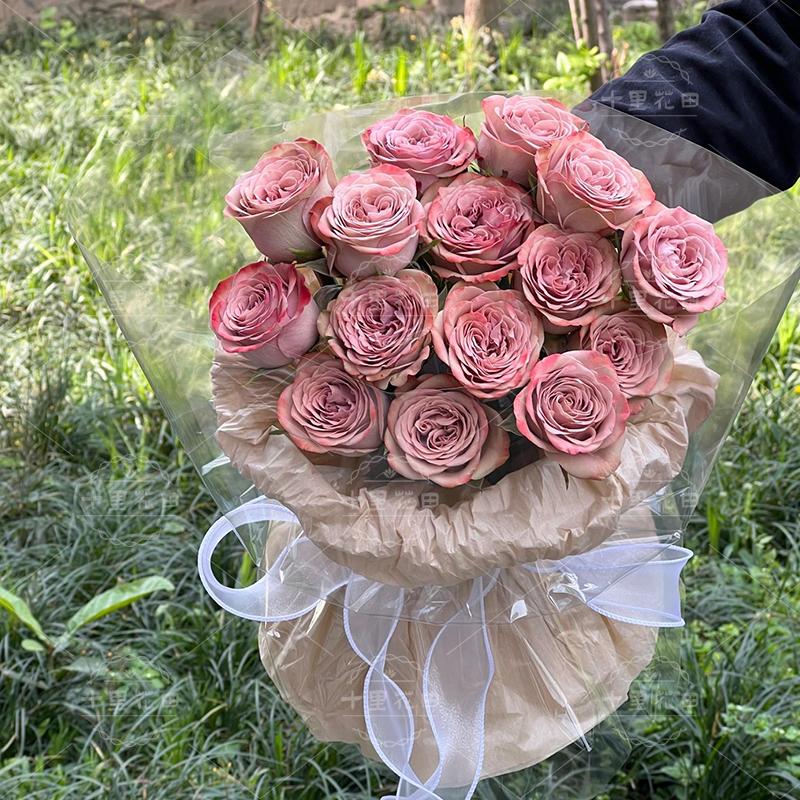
[(381, 327), (567, 275), (428, 146), (675, 264), (517, 127), (265, 312), (574, 411), (370, 223), (436, 431), (273, 201), (476, 225), (325, 410), (636, 346), (587, 187), (490, 338)]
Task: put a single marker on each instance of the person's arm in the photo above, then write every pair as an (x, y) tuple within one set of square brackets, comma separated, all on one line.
[(730, 84)]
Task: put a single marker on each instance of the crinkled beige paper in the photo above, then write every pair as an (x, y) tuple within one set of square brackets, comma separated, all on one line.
[(383, 531), (554, 670)]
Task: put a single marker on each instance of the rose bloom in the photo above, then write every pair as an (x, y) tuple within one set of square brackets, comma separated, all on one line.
[(675, 264), (370, 223), (428, 146), (476, 226), (636, 346), (517, 127), (265, 312), (273, 201), (573, 409), (567, 275), (436, 431), (587, 187), (489, 338), (325, 410), (381, 327)]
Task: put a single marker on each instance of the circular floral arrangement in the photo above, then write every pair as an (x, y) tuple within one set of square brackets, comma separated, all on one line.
[(468, 294)]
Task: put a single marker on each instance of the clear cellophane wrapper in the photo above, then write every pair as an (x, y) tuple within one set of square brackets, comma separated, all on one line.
[(493, 631)]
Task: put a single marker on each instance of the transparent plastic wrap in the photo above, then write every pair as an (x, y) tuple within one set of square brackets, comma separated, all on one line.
[(453, 633)]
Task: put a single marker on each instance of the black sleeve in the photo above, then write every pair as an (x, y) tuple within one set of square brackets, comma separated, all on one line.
[(730, 84)]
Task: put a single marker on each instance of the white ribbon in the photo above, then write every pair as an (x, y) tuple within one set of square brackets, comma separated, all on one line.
[(633, 582)]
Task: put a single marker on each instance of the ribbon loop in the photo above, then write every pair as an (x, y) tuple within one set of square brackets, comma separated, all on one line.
[(634, 582), (274, 597)]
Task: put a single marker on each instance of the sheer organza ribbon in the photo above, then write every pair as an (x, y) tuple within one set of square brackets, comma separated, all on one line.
[(634, 582)]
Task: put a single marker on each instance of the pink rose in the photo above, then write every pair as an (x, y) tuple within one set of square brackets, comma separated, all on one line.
[(567, 275), (636, 346), (428, 146), (476, 226), (516, 128), (675, 264), (325, 410), (272, 201), (370, 223), (265, 311), (490, 338), (436, 431), (381, 327), (574, 411), (587, 187)]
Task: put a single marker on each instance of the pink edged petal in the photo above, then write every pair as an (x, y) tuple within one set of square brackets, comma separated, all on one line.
[(400, 465), (495, 452), (300, 335), (449, 479), (637, 405), (294, 431), (592, 466)]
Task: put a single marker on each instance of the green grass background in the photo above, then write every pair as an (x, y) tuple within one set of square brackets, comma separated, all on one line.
[(165, 697)]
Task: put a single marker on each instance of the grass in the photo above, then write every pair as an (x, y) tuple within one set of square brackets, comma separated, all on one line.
[(165, 697)]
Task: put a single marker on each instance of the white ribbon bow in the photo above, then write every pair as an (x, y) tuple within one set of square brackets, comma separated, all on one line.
[(633, 582)]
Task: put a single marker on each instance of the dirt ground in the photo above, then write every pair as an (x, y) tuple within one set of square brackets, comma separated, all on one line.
[(207, 11)]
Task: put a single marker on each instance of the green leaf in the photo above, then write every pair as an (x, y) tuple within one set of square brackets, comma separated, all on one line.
[(303, 256), (32, 646), (20, 609), (116, 598)]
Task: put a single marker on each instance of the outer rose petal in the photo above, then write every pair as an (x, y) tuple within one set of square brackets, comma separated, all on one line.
[(593, 466)]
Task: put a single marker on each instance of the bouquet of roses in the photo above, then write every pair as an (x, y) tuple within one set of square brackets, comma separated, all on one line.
[(475, 294), (466, 398)]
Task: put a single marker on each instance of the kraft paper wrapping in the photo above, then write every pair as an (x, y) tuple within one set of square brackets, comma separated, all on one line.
[(546, 663), (379, 529)]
